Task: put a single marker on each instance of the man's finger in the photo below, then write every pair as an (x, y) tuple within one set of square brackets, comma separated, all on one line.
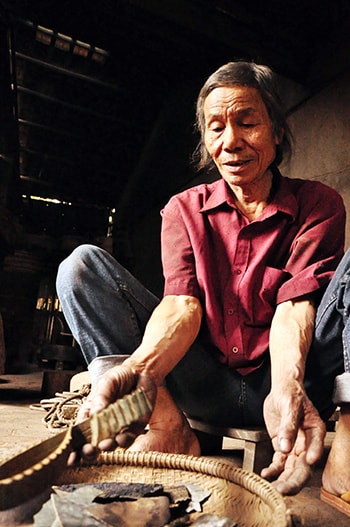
[(285, 444), (89, 453), (107, 444), (288, 429), (103, 394), (275, 468), (125, 439), (84, 411), (292, 481), (315, 443), (72, 459)]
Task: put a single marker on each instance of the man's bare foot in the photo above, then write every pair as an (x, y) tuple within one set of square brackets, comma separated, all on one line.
[(336, 475), (168, 431)]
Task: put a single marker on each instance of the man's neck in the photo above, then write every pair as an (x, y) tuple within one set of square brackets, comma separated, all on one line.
[(253, 199)]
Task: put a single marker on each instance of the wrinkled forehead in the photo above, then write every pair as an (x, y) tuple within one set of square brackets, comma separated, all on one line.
[(234, 100)]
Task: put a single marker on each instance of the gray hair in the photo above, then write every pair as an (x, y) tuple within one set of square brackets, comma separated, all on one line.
[(252, 75)]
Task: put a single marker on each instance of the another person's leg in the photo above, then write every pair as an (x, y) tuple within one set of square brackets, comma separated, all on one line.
[(331, 357)]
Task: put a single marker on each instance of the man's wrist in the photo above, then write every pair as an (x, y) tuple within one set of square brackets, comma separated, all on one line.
[(286, 377)]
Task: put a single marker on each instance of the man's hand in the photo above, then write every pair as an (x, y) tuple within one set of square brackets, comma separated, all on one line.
[(297, 433), (114, 384)]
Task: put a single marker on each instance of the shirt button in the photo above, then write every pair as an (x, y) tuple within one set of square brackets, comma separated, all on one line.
[(234, 349), (237, 271), (230, 311)]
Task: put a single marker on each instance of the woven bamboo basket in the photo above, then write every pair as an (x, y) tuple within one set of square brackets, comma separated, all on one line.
[(235, 493)]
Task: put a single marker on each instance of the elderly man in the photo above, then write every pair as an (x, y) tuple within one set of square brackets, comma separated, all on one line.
[(246, 261)]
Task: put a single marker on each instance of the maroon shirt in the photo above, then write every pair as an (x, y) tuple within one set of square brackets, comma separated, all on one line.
[(240, 270)]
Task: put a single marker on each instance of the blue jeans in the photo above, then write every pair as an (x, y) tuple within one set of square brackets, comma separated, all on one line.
[(107, 310)]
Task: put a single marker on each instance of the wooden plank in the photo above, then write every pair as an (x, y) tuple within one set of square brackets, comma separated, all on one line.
[(250, 434)]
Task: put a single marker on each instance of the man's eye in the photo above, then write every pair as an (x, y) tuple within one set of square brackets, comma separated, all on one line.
[(217, 128)]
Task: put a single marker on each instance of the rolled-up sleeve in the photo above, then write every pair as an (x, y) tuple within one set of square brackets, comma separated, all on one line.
[(179, 267), (318, 246)]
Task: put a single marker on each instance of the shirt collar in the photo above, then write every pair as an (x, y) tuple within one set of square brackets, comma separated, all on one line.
[(283, 199), (220, 195)]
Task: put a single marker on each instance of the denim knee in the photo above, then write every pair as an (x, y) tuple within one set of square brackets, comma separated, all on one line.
[(71, 269)]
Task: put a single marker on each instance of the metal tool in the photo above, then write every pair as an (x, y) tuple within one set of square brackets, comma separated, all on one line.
[(32, 471)]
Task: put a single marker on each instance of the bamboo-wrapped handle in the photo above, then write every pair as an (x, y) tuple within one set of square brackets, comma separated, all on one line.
[(115, 417), (32, 471)]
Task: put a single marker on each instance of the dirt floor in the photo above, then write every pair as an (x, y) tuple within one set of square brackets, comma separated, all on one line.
[(22, 427)]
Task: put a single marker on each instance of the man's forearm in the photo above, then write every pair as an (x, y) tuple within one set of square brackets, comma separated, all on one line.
[(171, 330), (290, 340)]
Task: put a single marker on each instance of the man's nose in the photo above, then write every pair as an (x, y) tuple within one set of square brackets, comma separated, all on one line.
[(232, 138)]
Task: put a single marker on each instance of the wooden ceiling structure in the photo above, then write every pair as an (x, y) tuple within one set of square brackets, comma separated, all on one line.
[(102, 88)]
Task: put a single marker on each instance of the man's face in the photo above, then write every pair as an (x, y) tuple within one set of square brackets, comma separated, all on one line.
[(238, 134)]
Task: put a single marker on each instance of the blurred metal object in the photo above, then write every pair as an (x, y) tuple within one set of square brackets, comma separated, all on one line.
[(34, 470)]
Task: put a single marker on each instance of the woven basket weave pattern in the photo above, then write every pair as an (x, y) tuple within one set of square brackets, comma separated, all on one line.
[(235, 493)]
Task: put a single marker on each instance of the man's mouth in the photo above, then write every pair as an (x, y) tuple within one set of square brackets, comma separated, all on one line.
[(237, 164)]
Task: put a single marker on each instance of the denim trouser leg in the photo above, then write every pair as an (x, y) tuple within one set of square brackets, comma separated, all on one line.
[(328, 367), (106, 308), (212, 392)]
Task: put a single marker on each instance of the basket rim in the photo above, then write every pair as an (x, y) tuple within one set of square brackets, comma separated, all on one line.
[(208, 466)]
